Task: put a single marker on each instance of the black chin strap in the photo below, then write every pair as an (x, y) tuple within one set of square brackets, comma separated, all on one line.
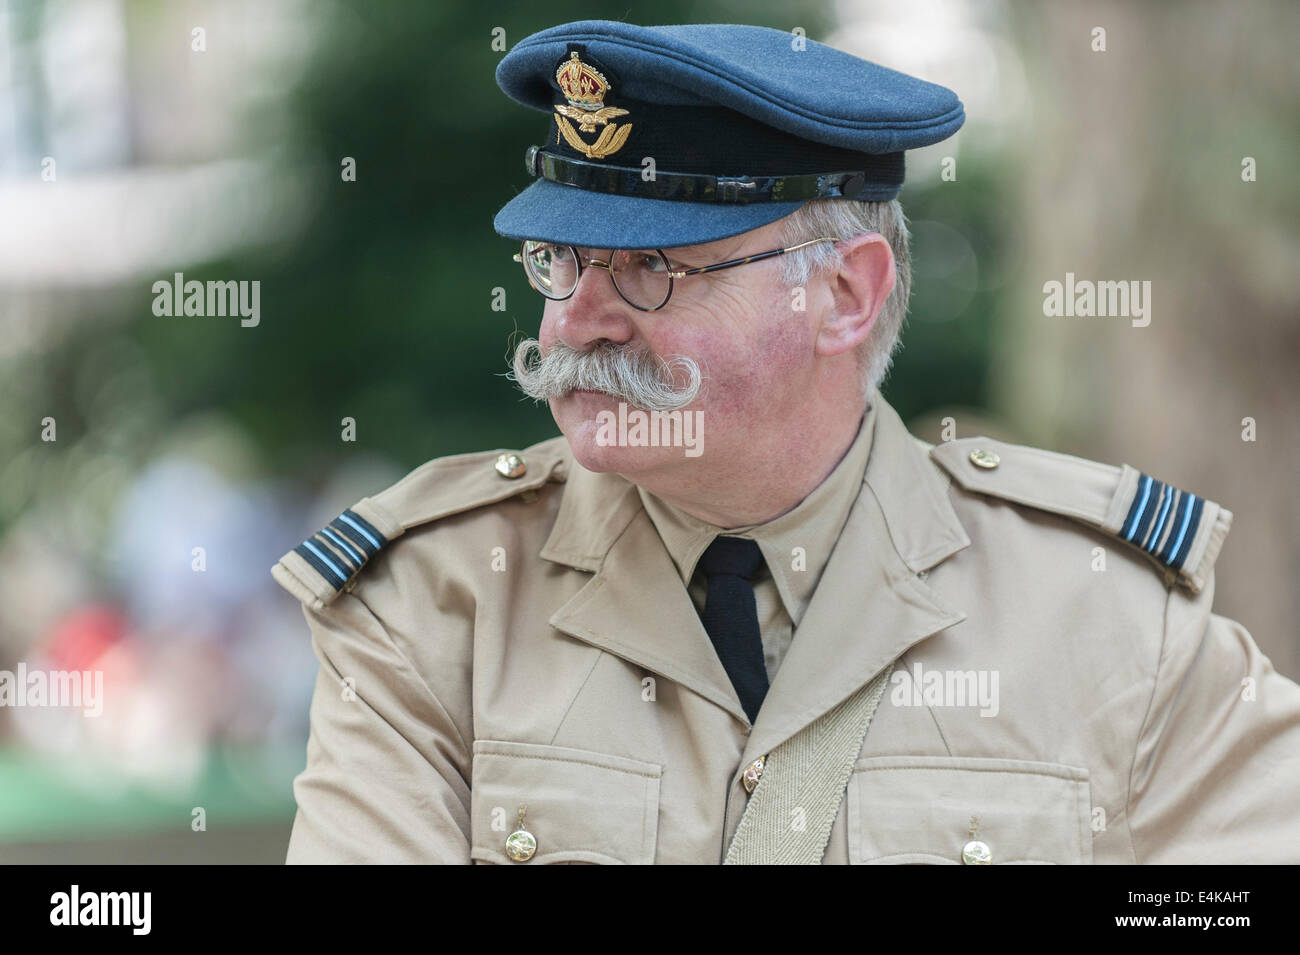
[(878, 181)]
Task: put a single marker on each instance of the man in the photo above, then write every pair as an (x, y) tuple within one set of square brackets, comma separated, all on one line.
[(736, 613)]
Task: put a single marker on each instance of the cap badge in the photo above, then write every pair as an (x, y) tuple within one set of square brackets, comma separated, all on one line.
[(585, 88)]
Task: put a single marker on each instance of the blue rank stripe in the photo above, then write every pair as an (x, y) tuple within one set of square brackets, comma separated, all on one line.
[(354, 539), (1162, 520), (351, 553), (322, 564), (1143, 512), (1170, 493), (1152, 509), (369, 535), (1138, 507), (1177, 525), (339, 550), (1193, 521)]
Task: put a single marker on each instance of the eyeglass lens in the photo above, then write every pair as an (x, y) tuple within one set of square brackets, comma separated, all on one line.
[(640, 276)]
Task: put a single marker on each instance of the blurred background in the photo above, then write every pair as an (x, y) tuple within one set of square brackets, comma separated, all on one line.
[(152, 469)]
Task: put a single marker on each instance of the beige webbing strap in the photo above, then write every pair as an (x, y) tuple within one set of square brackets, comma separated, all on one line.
[(807, 772)]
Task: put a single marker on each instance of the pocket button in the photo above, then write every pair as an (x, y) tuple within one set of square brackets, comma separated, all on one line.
[(520, 845), (976, 853)]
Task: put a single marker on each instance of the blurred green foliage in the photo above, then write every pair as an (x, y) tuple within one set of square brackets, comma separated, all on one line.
[(959, 264)]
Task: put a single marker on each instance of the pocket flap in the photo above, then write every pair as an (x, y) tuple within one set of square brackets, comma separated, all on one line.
[(919, 809), (582, 806)]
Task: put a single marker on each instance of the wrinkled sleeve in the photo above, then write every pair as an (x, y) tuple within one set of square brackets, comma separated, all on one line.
[(1216, 771), (386, 775)]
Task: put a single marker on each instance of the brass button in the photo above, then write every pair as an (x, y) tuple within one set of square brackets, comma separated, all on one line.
[(984, 459), (753, 773), (521, 844), (511, 466), (976, 853)]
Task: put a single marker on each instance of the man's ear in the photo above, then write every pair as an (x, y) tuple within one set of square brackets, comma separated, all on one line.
[(858, 289)]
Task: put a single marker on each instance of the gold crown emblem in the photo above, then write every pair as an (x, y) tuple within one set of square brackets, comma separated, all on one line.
[(585, 87), (582, 85)]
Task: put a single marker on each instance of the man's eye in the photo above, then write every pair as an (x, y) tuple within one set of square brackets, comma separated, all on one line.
[(651, 262)]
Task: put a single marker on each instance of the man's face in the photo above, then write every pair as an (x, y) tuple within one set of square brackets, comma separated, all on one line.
[(754, 350)]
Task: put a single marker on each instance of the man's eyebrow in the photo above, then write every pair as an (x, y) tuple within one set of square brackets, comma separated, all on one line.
[(686, 255)]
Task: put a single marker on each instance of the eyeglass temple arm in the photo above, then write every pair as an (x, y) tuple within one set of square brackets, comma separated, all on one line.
[(750, 258), (734, 262)]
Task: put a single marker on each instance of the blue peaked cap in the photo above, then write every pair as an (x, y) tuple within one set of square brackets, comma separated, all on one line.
[(743, 124)]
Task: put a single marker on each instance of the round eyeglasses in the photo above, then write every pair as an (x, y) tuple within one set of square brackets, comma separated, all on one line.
[(642, 277)]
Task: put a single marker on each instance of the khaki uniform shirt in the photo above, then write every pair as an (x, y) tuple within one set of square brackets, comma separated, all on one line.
[(795, 547), (489, 643)]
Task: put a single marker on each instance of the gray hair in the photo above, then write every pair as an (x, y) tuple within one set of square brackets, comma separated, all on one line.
[(844, 219)]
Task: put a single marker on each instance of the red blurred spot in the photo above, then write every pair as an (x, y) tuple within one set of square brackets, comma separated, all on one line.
[(81, 638)]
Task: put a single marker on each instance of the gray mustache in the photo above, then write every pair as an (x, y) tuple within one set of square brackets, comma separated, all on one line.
[(639, 377)]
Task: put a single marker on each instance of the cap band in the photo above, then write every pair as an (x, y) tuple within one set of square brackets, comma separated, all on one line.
[(879, 180)]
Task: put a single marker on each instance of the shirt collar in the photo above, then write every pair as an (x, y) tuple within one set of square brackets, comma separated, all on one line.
[(796, 545), (910, 491)]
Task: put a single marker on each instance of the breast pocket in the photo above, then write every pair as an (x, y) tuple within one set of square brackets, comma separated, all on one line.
[(921, 809), (581, 806)]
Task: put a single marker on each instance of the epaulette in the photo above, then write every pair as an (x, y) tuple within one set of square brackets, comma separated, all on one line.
[(1181, 532), (328, 563)]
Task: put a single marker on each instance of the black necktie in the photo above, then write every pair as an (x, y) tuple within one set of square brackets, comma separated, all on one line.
[(731, 619)]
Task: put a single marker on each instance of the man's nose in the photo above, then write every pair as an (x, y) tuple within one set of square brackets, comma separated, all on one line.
[(594, 312)]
